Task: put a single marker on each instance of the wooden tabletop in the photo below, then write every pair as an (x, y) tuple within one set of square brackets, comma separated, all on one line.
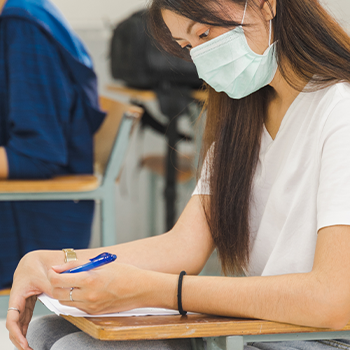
[(5, 292), (191, 326), (148, 95), (69, 183)]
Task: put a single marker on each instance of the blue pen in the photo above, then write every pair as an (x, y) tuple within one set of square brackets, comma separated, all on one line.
[(100, 260)]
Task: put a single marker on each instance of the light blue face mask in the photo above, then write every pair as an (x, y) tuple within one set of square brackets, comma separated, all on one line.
[(229, 65)]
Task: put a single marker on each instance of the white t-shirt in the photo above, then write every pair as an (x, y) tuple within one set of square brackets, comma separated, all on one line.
[(301, 184)]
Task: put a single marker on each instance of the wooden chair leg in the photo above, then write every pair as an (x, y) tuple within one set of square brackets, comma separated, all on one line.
[(197, 344), (108, 219), (4, 302), (225, 343), (152, 204)]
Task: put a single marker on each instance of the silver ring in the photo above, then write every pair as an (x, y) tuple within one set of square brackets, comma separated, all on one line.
[(70, 294), (14, 309)]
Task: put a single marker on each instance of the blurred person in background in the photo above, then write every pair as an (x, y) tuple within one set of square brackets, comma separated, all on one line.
[(49, 112)]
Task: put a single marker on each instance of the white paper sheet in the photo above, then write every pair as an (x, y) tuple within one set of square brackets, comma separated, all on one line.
[(59, 309)]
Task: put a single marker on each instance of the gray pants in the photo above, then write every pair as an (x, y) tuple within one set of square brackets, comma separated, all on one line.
[(55, 333)]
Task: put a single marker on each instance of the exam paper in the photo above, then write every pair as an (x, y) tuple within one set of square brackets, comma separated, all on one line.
[(59, 309)]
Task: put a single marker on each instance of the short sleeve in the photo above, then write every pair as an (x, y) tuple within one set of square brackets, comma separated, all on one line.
[(40, 99), (333, 200), (203, 185)]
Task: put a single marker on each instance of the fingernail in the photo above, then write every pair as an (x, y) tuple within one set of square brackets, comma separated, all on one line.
[(56, 266)]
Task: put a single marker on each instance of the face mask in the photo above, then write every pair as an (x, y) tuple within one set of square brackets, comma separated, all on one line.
[(229, 65)]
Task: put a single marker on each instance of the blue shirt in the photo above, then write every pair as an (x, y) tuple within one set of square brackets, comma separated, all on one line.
[(49, 17), (48, 113)]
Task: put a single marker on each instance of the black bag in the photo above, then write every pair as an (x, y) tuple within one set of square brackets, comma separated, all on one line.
[(137, 61)]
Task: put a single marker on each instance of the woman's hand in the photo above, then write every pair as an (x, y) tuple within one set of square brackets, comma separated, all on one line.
[(30, 279), (113, 288), (17, 323)]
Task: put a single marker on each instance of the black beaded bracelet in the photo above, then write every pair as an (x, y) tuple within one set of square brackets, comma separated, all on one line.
[(179, 294)]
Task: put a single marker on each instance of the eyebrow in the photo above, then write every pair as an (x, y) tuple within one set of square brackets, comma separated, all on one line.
[(188, 31)]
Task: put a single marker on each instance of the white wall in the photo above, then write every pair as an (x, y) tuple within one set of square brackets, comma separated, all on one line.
[(94, 13), (340, 10)]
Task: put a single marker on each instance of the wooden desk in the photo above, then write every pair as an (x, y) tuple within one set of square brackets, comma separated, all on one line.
[(221, 332), (68, 183), (4, 292)]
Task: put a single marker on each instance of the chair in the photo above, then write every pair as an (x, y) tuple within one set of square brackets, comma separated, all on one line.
[(156, 166), (110, 147), (4, 301)]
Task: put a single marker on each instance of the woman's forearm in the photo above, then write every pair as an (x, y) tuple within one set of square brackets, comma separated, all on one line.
[(186, 247), (167, 253), (319, 298), (153, 253), (294, 299)]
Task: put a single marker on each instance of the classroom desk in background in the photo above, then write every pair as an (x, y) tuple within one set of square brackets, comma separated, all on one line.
[(221, 333), (148, 95), (5, 292)]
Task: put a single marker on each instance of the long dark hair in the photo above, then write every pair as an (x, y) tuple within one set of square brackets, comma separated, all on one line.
[(313, 45)]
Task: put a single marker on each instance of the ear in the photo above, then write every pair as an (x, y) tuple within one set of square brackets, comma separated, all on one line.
[(268, 8)]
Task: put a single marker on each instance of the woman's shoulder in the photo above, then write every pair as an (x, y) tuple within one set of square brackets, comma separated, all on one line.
[(336, 93), (342, 89), (337, 98), (335, 104), (327, 100)]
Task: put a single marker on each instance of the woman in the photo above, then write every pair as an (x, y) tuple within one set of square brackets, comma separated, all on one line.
[(48, 114), (272, 198)]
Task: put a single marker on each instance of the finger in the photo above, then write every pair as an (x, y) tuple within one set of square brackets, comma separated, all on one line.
[(66, 280), (15, 333), (78, 304), (66, 294), (67, 266), (90, 309), (16, 311), (77, 295), (17, 322), (83, 300), (22, 304)]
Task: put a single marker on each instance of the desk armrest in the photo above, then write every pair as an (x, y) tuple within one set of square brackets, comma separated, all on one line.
[(191, 326)]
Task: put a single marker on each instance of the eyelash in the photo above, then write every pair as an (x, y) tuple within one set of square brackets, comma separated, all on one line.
[(205, 34), (202, 36)]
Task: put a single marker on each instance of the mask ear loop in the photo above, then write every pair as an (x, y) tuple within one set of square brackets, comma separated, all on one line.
[(245, 11)]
